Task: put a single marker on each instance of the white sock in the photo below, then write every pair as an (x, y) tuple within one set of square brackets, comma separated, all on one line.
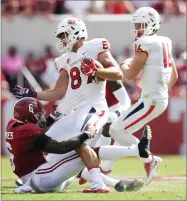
[(95, 173), (107, 180), (128, 139), (108, 165), (115, 152), (103, 141)]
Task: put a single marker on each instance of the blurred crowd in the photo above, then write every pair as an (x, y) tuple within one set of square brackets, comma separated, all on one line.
[(31, 8), (43, 70)]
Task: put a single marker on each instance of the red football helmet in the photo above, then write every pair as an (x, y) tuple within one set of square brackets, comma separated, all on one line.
[(30, 110)]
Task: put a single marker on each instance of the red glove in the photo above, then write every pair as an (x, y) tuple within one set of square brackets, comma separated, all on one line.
[(88, 69)]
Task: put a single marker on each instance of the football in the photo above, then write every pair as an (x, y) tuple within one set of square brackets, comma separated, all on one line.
[(88, 61), (98, 64)]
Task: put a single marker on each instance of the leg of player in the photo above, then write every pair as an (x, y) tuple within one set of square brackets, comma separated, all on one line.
[(115, 152), (49, 176), (87, 154), (107, 166), (138, 115), (66, 183), (92, 162), (118, 185)]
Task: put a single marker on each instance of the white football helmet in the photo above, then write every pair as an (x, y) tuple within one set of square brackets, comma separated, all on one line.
[(75, 28), (149, 20)]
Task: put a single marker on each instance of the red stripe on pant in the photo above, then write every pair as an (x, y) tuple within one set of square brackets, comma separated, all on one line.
[(55, 166), (142, 117)]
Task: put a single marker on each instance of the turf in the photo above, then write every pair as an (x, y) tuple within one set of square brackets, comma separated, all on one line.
[(169, 189)]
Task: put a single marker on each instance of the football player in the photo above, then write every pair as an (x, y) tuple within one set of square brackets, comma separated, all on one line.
[(26, 143), (81, 95), (153, 57)]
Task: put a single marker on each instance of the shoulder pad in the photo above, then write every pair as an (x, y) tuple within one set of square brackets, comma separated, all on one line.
[(61, 62), (99, 45)]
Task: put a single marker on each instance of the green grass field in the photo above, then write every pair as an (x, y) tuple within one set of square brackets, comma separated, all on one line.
[(170, 183)]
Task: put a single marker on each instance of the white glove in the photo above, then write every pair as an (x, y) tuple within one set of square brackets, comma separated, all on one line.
[(111, 117), (91, 131)]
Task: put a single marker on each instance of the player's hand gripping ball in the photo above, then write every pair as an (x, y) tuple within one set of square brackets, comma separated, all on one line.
[(88, 67)]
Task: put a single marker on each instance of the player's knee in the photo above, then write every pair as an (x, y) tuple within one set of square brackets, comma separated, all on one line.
[(43, 185), (89, 155)]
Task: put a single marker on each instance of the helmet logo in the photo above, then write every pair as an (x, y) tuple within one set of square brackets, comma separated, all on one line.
[(151, 14), (72, 22)]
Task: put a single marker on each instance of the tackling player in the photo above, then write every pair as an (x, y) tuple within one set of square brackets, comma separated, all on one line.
[(26, 142), (81, 95)]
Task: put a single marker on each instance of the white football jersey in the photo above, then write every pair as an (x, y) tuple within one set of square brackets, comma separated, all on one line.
[(81, 89), (157, 70)]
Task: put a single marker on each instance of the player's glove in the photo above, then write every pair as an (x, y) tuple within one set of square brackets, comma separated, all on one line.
[(89, 69), (21, 92), (90, 130), (112, 116)]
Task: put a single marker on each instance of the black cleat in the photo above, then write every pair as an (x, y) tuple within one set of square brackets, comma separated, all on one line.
[(122, 185), (18, 182), (144, 144), (135, 185)]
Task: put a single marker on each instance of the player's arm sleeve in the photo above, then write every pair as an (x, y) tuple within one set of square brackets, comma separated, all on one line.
[(60, 63), (44, 143), (142, 45), (100, 45)]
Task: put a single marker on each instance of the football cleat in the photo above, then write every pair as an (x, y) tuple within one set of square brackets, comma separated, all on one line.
[(18, 182), (151, 169), (135, 185), (144, 144), (122, 185), (97, 188)]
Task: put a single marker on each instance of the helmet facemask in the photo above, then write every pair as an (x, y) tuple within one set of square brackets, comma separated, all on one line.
[(138, 29), (41, 119), (68, 33), (149, 20), (64, 43)]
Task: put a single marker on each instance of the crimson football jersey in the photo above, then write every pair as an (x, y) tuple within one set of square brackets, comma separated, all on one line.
[(110, 97), (18, 138)]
